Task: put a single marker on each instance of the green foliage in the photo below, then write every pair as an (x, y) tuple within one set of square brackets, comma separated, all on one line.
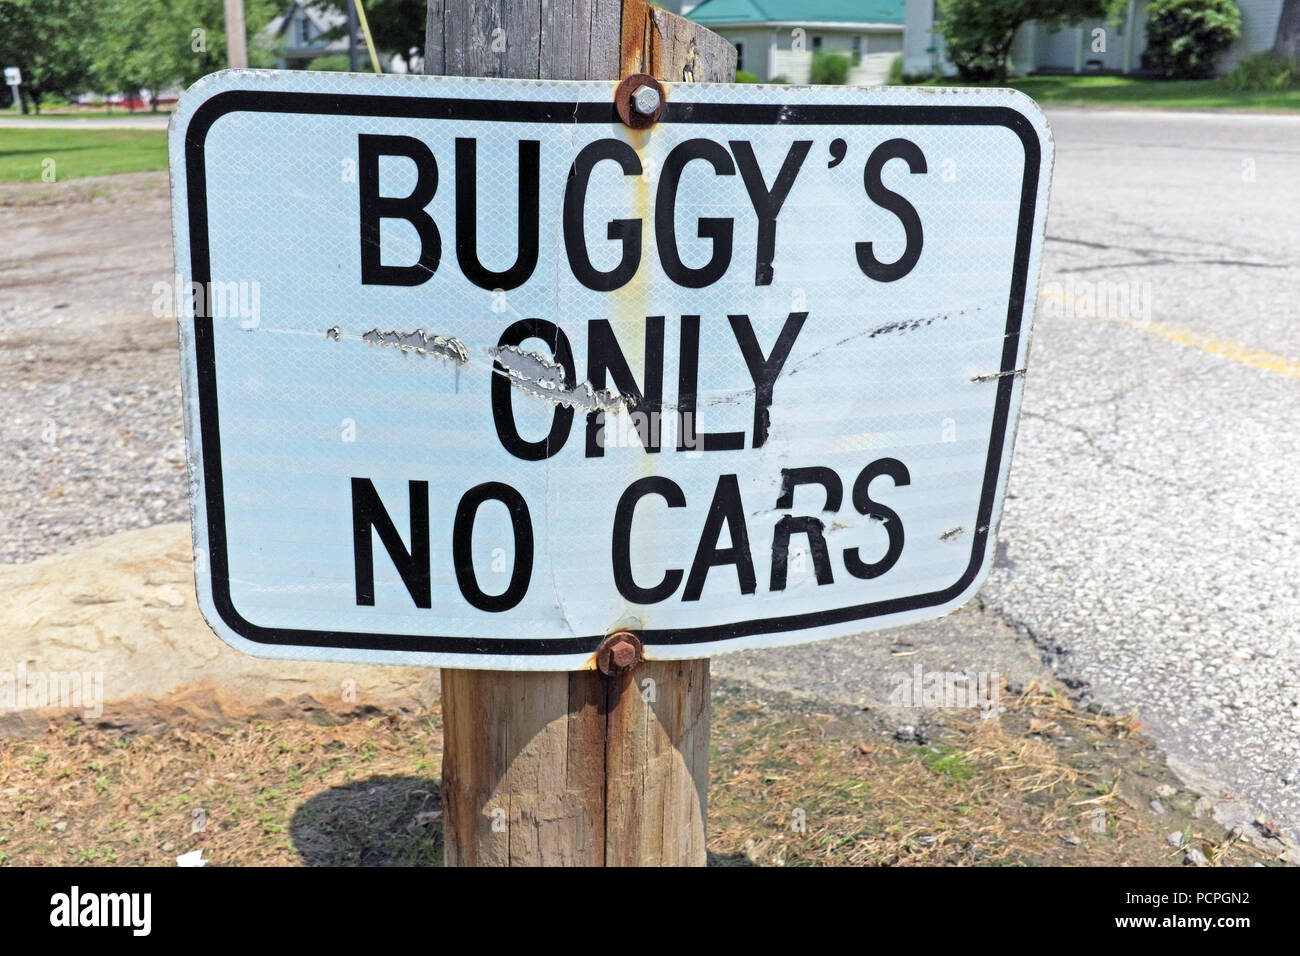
[(947, 761), (396, 25), (779, 80), (131, 52), (1263, 73), (47, 40), (334, 63), (896, 77), (830, 69), (66, 47), (152, 44), (979, 33), (744, 76), (1185, 37)]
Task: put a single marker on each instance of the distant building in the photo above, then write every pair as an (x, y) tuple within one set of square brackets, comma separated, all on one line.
[(297, 36), (779, 38), (1087, 46)]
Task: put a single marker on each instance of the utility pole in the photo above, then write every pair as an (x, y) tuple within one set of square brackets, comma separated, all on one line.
[(354, 54), (236, 37)]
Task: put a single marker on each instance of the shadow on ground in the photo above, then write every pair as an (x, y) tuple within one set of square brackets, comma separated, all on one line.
[(379, 821), (386, 821), (729, 859)]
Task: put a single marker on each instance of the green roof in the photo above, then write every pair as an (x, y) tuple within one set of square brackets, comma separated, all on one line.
[(722, 12)]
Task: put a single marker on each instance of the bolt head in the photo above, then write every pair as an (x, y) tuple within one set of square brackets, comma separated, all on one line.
[(623, 655), (645, 100)]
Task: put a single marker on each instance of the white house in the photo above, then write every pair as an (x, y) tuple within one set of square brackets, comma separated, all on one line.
[(297, 35), (779, 38), (1091, 45)]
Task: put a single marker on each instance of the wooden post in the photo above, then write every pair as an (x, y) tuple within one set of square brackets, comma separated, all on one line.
[(559, 769)]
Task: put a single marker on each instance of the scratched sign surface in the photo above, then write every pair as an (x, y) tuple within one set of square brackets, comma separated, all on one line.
[(475, 375)]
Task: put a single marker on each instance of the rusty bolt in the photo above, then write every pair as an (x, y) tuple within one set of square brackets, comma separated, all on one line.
[(620, 652), (639, 100), (646, 100)]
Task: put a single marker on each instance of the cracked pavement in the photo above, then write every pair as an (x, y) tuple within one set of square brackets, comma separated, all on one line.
[(1148, 552)]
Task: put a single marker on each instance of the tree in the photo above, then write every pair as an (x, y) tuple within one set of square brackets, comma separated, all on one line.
[(129, 55), (979, 33), (154, 44), (1185, 37), (46, 39), (395, 25), (194, 34)]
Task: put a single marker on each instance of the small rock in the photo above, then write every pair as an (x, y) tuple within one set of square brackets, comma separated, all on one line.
[(1267, 829), (168, 846), (1166, 791), (1073, 840), (1098, 821), (424, 819), (1196, 858), (1157, 806), (909, 733), (1202, 807), (1174, 839), (60, 826)]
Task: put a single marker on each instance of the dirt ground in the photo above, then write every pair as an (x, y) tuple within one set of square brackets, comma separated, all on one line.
[(1039, 784), (89, 376)]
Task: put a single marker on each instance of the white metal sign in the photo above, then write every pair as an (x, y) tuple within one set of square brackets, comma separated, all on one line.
[(475, 375), (13, 76)]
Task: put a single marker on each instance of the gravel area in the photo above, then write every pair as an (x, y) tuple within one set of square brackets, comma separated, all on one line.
[(89, 377)]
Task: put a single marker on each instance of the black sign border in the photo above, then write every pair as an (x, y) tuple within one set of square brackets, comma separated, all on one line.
[(414, 107)]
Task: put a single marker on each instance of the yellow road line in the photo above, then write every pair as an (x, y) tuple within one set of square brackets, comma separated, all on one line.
[(1223, 348)]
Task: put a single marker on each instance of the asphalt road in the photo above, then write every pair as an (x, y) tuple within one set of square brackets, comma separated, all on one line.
[(99, 121), (1150, 546)]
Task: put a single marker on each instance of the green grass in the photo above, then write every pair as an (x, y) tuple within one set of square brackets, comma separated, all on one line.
[(1139, 91), (78, 153)]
